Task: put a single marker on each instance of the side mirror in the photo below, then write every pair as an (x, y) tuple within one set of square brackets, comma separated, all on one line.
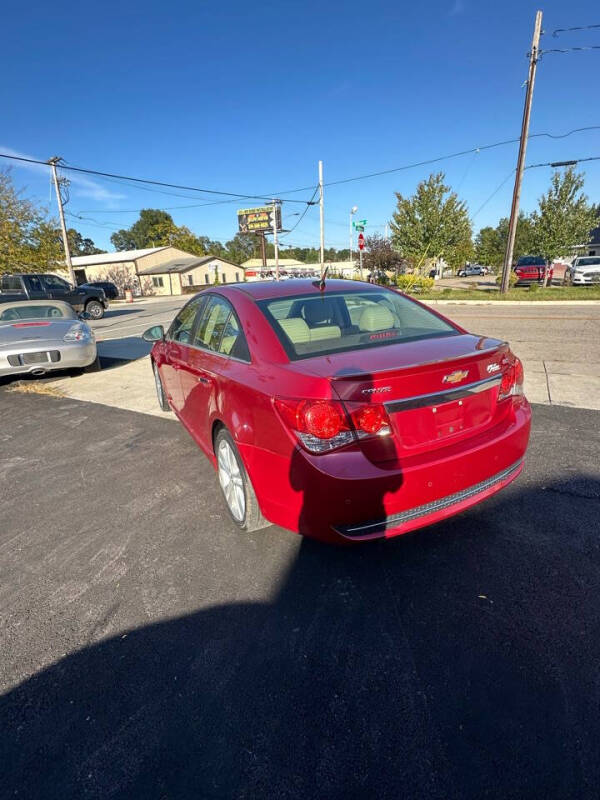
[(84, 315), (154, 334)]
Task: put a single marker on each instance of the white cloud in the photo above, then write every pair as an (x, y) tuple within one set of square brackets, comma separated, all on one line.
[(81, 185)]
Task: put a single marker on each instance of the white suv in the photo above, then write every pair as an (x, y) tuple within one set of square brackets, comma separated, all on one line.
[(584, 271)]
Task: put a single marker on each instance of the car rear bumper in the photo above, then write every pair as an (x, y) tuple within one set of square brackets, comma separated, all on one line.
[(344, 496), (60, 355)]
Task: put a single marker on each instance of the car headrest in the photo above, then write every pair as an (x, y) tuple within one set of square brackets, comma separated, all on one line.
[(316, 312), (376, 318), (296, 330)]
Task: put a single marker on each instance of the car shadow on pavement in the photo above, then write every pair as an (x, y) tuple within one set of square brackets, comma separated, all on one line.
[(115, 352), (457, 662), (119, 312)]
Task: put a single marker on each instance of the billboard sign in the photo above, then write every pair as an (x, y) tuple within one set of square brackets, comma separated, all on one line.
[(254, 220)]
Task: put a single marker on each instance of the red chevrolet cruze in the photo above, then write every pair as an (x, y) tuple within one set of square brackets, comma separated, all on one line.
[(343, 412)]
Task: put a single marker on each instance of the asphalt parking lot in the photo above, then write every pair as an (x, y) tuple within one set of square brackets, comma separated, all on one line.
[(151, 651)]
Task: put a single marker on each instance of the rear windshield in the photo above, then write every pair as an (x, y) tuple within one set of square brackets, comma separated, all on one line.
[(30, 312), (311, 325), (531, 261)]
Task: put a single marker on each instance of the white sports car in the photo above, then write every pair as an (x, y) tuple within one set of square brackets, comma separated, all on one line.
[(37, 336)]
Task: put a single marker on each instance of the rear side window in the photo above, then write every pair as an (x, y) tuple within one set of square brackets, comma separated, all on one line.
[(219, 330), (11, 284), (311, 325)]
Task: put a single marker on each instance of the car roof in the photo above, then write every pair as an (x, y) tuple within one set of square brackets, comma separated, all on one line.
[(266, 290)]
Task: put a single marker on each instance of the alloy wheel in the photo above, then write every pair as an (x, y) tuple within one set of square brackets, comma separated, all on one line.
[(231, 480)]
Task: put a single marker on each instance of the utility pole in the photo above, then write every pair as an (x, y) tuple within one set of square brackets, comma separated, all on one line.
[(514, 211), (263, 250), (53, 162), (275, 239), (321, 217)]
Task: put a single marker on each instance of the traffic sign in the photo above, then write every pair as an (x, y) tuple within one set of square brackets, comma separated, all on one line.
[(359, 228), (361, 241)]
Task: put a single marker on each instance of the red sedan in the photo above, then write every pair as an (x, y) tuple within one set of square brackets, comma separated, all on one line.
[(347, 412)]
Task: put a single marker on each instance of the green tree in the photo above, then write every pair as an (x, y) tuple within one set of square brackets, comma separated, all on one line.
[(242, 247), (432, 224), (148, 231), (564, 217), (524, 237), (80, 246), (488, 247), (28, 240)]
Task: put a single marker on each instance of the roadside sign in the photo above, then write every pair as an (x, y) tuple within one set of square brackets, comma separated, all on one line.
[(361, 241), (252, 220), (359, 225), (359, 228)]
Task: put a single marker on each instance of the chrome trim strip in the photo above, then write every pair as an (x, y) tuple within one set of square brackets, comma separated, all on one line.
[(445, 396), (369, 528)]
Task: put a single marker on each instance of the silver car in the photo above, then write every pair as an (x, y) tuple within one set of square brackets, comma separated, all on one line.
[(37, 336), (584, 271)]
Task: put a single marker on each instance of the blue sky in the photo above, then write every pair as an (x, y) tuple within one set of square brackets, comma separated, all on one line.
[(247, 97)]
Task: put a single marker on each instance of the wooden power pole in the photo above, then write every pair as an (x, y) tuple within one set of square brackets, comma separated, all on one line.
[(53, 162), (514, 211)]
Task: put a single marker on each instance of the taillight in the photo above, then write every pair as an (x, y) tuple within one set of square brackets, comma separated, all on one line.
[(324, 425), (369, 420), (512, 381)]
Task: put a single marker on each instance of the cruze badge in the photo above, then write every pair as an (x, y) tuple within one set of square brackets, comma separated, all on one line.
[(493, 367), (456, 377), (380, 389)]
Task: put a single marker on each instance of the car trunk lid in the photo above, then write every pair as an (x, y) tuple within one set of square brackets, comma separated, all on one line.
[(436, 391)]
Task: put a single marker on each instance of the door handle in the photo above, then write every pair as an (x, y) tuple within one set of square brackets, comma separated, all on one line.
[(204, 379)]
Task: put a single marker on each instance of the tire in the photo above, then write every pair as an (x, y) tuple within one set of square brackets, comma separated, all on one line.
[(160, 392), (95, 366), (95, 309), (237, 490)]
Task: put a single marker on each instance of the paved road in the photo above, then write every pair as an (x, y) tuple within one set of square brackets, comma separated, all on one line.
[(150, 651)]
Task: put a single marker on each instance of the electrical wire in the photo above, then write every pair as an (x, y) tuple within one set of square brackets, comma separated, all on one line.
[(493, 194), (578, 28), (308, 205), (568, 163), (568, 49), (269, 198)]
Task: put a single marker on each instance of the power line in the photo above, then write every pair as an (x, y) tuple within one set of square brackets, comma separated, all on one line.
[(568, 49), (569, 163), (308, 205), (493, 194), (236, 195), (578, 28), (269, 197)]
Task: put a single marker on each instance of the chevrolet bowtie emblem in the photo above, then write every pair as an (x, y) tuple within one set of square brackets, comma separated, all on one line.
[(457, 376)]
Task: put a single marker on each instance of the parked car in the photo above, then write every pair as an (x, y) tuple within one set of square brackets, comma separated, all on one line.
[(39, 336), (348, 413), (110, 290), (532, 269), (41, 286), (584, 271), (472, 269)]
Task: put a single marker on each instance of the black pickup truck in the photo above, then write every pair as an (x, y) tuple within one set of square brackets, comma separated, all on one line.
[(41, 286)]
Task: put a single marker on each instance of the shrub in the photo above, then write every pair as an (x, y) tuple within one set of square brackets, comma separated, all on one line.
[(413, 284), (512, 279)]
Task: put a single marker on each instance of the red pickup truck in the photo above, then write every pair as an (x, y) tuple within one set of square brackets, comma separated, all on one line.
[(532, 269)]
